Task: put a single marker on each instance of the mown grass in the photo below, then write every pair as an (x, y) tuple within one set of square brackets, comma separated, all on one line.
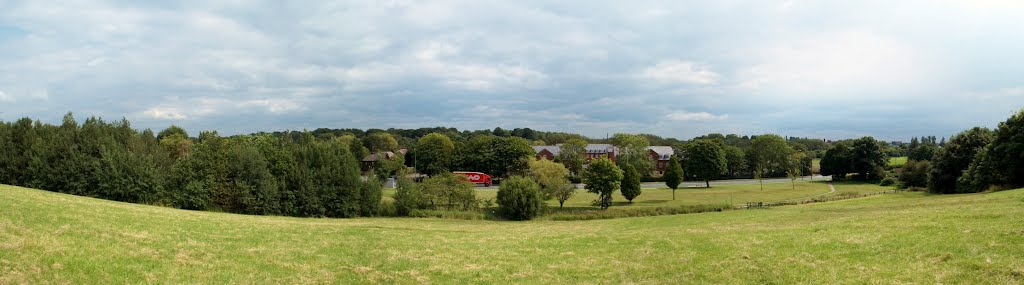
[(897, 161), (47, 237), (716, 195)]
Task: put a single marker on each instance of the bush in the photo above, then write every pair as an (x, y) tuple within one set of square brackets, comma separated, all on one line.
[(915, 174), (387, 209), (370, 196), (407, 195), (575, 179), (519, 198), (448, 191), (888, 181), (630, 185)]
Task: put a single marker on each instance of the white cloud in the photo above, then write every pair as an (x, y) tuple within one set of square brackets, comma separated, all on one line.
[(164, 113), (837, 63), (677, 71), (5, 97), (695, 116)]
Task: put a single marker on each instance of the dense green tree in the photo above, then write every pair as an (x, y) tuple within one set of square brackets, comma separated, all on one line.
[(1006, 153), (770, 155), (837, 162), (630, 185), (736, 162), (380, 142), (921, 150), (633, 150), (552, 177), (497, 156), (915, 174), (433, 154), (955, 157), (603, 178), (520, 198), (673, 175), (573, 154), (867, 159), (173, 130), (705, 159)]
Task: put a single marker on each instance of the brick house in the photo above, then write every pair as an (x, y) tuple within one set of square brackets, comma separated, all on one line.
[(659, 154), (370, 161)]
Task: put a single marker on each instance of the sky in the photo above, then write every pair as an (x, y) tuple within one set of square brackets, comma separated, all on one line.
[(822, 69)]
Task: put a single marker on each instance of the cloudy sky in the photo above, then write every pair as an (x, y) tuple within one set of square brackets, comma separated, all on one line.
[(891, 69)]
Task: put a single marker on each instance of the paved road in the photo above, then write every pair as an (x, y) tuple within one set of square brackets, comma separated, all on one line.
[(686, 184)]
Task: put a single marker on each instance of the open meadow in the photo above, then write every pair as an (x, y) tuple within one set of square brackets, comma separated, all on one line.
[(47, 237), (731, 194)]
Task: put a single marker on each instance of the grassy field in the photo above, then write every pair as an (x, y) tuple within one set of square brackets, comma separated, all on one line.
[(897, 161), (894, 238), (721, 194)]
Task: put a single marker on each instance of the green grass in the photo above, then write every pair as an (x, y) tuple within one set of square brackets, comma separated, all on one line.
[(897, 161), (895, 238), (721, 194)]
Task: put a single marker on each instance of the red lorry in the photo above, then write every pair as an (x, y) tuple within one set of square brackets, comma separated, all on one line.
[(476, 177)]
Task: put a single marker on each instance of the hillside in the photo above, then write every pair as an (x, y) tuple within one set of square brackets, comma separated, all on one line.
[(48, 237)]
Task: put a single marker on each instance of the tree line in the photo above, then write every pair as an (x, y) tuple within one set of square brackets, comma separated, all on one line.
[(974, 160), (249, 174)]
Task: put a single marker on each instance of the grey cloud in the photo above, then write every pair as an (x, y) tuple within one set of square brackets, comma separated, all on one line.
[(671, 68)]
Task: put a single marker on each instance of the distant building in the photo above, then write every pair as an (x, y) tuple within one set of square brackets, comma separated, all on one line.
[(370, 161), (659, 154)]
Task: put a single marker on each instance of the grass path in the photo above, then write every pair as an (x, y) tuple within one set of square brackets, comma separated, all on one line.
[(832, 190)]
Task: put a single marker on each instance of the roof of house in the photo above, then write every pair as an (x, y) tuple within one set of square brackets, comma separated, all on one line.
[(601, 148), (374, 156), (554, 149), (664, 152)]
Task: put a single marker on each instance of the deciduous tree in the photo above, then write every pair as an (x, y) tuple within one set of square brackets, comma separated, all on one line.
[(705, 159), (433, 153), (603, 178), (952, 159)]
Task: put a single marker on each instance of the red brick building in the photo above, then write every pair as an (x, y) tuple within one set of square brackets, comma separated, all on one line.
[(659, 154)]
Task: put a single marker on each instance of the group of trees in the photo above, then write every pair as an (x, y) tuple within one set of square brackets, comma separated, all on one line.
[(716, 156), (979, 159), (250, 174), (865, 158)]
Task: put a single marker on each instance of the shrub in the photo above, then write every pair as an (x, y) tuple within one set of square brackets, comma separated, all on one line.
[(407, 196), (370, 195), (575, 179), (387, 209), (915, 174), (888, 181), (630, 187), (448, 191), (520, 198)]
